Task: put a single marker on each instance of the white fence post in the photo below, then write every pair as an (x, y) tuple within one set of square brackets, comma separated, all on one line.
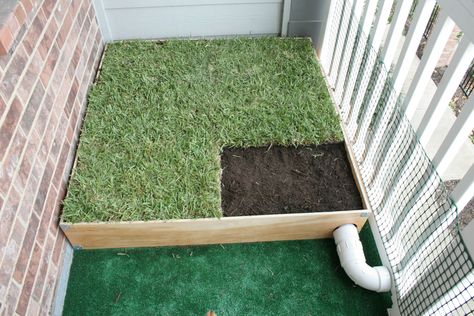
[(376, 39), (285, 17), (366, 22), (461, 60), (348, 50), (328, 38), (395, 32), (457, 135), (464, 190), (433, 50), (421, 17), (340, 41)]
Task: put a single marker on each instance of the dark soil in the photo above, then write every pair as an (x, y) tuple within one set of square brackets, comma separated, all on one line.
[(280, 180)]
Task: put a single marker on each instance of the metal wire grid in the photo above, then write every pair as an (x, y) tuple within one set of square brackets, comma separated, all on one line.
[(432, 270)]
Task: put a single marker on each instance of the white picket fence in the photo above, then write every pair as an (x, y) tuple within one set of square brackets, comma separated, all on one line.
[(375, 25), (366, 70)]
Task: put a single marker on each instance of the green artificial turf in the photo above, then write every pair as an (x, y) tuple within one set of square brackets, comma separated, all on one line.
[(277, 278), (161, 112)]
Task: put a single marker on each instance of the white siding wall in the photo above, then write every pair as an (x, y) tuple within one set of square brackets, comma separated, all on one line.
[(149, 19)]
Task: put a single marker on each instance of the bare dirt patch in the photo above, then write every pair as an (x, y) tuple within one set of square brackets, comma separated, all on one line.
[(280, 180)]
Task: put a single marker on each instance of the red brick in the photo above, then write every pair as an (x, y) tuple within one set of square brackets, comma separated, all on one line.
[(43, 187), (29, 156), (49, 136), (65, 28), (74, 121), (27, 163), (71, 98), (71, 70), (13, 72), (26, 207), (29, 78), (43, 118), (57, 79), (48, 38), (57, 179), (58, 247), (26, 248), (14, 244), (75, 6), (69, 134), (9, 125), (76, 55), (27, 4), (49, 287), (47, 252), (86, 29), (12, 298), (32, 107), (20, 13), (11, 161), (48, 101), (82, 12), (7, 219), (59, 137), (34, 33), (49, 65), (6, 40), (13, 25), (81, 66), (49, 209), (48, 7), (33, 307), (29, 280), (47, 127), (11, 254), (84, 88), (61, 10), (4, 60), (3, 106)]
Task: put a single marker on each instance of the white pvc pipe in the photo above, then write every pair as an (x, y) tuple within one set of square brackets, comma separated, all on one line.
[(351, 255)]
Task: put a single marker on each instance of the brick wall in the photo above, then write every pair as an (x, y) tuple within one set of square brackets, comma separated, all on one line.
[(45, 72)]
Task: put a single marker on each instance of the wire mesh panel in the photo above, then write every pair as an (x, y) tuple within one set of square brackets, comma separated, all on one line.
[(417, 221)]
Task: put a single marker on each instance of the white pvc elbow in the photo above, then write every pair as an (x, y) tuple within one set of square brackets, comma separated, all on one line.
[(351, 255)]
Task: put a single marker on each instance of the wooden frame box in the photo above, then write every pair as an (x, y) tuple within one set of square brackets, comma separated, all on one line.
[(239, 229)]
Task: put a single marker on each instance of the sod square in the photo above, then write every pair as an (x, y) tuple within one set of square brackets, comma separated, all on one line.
[(160, 114)]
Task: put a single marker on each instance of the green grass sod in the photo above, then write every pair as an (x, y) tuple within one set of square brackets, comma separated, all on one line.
[(161, 112), (277, 278)]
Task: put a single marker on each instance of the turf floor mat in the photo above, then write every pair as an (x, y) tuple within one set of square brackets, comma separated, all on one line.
[(277, 278)]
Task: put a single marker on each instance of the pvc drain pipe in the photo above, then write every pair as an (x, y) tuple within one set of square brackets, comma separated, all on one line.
[(351, 255)]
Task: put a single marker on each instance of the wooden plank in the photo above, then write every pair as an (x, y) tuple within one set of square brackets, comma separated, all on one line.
[(241, 229), (357, 175)]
